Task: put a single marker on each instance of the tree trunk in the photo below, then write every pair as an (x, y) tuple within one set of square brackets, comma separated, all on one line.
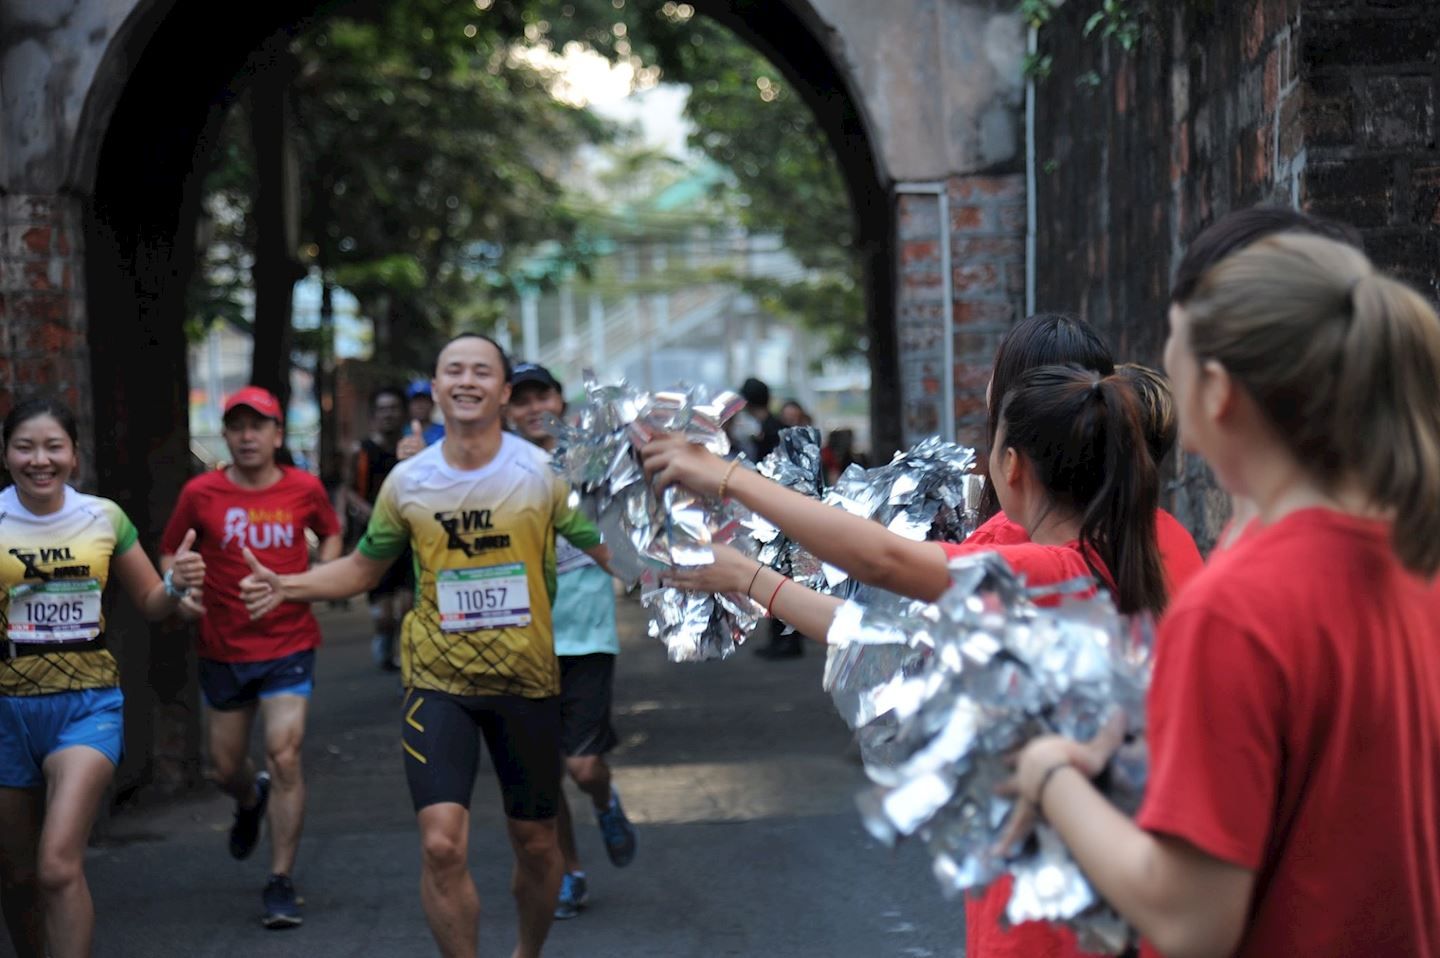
[(275, 271), (329, 452)]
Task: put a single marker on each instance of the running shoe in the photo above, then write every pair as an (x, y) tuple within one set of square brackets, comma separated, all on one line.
[(617, 831), (573, 895), (281, 908), (245, 833)]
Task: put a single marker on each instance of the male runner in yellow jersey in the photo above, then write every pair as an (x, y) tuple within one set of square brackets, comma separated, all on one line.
[(480, 510)]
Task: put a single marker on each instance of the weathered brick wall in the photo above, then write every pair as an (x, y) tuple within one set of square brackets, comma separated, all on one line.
[(919, 313), (986, 229), (42, 307), (1371, 75), (1205, 116), (45, 349)]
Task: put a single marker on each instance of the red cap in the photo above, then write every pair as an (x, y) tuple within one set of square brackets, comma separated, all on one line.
[(260, 400)]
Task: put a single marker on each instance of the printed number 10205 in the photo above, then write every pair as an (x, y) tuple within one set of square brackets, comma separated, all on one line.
[(54, 613)]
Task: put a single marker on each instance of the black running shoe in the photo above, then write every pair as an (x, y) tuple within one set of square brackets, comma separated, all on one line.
[(281, 908), (245, 833)]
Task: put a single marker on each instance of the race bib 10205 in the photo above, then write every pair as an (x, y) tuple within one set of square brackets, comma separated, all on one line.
[(62, 610)]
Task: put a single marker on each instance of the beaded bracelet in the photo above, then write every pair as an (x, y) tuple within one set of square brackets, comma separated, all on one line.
[(725, 479)]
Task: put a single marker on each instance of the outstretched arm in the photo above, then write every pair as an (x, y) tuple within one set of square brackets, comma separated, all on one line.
[(263, 589), (602, 556), (867, 550), (808, 612)]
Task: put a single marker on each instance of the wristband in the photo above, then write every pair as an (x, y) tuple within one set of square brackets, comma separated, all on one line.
[(1045, 780), (725, 479), (759, 568), (769, 605), (170, 589)]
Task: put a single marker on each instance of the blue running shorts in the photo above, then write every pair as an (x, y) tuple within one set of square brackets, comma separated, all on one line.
[(34, 726), (228, 686)]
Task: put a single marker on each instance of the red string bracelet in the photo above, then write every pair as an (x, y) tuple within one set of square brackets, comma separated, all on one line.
[(771, 604)]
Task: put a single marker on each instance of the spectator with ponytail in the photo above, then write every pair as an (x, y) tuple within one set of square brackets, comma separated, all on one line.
[(1044, 339), (1294, 716), (1058, 339)]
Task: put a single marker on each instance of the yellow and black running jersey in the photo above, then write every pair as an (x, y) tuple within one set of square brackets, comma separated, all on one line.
[(53, 569), (484, 547)]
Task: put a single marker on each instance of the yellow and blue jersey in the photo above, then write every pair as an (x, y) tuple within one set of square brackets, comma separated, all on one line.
[(66, 550)]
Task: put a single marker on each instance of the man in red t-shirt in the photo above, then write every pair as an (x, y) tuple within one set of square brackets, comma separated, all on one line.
[(265, 665)]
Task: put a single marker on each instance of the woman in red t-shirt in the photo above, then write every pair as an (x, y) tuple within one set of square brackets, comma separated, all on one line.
[(1178, 554), (1293, 806), (1069, 463)]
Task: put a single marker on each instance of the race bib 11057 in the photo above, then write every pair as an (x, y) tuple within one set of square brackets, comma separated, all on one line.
[(494, 597)]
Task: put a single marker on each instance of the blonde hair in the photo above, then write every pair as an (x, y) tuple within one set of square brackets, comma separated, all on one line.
[(1344, 362), (1157, 407)]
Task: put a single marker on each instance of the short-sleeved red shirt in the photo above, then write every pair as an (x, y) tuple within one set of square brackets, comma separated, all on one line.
[(272, 522), (1178, 553), (1294, 726), (984, 937)]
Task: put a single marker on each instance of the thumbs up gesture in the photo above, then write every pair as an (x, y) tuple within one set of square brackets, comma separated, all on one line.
[(260, 590), (412, 442), (188, 570)]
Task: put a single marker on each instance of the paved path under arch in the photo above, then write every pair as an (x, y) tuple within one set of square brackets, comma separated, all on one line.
[(738, 773)]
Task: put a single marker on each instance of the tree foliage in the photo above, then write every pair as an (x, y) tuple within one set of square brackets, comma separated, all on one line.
[(432, 153), (432, 156)]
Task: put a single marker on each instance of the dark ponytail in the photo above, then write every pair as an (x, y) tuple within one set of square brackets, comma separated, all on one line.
[(1082, 434), (1044, 339)]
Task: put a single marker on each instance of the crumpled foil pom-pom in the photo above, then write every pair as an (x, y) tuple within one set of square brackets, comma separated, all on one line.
[(927, 492), (648, 534), (941, 697)]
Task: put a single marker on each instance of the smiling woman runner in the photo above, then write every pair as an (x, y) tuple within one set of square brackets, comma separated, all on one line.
[(60, 704)]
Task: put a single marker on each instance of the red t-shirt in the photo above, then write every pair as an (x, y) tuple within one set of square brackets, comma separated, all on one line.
[(1294, 725), (1178, 553), (272, 522), (984, 937)]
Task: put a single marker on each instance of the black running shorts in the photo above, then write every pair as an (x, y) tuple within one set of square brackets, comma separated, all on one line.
[(442, 749), (585, 692)]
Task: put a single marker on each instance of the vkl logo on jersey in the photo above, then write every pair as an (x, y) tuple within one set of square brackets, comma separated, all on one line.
[(33, 559), (458, 524), (258, 528)]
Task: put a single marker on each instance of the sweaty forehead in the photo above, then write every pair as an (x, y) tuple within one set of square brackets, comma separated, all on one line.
[(469, 351)]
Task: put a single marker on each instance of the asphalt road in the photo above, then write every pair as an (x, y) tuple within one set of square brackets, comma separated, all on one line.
[(738, 774)]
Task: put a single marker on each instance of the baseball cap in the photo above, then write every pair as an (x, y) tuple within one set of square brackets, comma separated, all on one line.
[(260, 400), (417, 387), (534, 373)]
